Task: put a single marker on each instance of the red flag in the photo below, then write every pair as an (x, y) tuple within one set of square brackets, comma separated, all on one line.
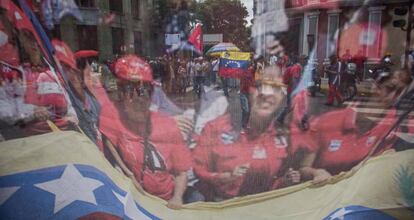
[(196, 37)]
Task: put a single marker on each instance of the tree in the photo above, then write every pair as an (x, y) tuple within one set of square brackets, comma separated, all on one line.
[(227, 17)]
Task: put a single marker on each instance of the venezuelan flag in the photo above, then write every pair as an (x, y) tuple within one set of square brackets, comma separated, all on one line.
[(234, 64), (63, 175)]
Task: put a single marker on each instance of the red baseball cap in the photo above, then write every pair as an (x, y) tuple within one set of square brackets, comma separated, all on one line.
[(133, 68), (64, 54)]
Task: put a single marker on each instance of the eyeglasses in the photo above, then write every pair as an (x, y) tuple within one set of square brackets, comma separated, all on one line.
[(270, 86)]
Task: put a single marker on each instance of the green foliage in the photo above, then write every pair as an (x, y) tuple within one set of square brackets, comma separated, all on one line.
[(405, 181), (227, 17)]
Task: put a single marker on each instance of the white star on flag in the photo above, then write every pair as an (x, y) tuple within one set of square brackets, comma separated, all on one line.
[(70, 187), (340, 214), (6, 193), (130, 208), (228, 63)]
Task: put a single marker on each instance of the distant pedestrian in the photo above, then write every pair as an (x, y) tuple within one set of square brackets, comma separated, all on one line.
[(215, 63), (334, 71), (198, 78)]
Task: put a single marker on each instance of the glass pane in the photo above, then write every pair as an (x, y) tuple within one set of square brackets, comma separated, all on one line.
[(220, 101)]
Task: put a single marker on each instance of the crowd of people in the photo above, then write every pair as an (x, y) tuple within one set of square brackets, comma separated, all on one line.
[(152, 147)]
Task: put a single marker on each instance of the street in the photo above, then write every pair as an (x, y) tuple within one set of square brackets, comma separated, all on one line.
[(363, 103)]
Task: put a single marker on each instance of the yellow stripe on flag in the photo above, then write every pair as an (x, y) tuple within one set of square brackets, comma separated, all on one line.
[(236, 55), (376, 185)]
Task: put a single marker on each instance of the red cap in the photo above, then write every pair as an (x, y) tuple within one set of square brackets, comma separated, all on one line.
[(64, 54), (133, 68), (5, 4), (19, 18), (86, 53)]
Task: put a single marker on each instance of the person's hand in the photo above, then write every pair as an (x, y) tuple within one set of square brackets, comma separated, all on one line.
[(41, 113), (292, 176), (321, 175), (225, 177), (184, 123), (175, 202), (241, 170)]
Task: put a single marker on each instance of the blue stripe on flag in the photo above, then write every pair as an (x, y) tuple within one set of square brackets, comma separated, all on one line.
[(26, 199), (234, 64)]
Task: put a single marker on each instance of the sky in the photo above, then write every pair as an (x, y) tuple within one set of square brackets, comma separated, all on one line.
[(249, 6)]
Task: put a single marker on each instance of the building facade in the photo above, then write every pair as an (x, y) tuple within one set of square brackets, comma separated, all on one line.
[(342, 26), (113, 27)]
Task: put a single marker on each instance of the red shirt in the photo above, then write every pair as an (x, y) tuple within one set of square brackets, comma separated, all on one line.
[(335, 137), (165, 138), (263, 155), (291, 77), (247, 81)]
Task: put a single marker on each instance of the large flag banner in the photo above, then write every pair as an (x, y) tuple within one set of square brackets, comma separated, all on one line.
[(233, 64), (63, 175)]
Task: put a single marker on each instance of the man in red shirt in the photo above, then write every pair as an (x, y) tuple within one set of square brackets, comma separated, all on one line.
[(339, 140), (334, 71), (150, 143), (234, 164), (291, 77)]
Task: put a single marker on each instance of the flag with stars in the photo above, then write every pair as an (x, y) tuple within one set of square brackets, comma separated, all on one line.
[(63, 175), (234, 64), (66, 189)]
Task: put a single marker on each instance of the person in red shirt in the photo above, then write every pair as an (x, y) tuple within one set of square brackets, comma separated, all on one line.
[(359, 59), (150, 143), (38, 93), (334, 71), (233, 164), (346, 57), (339, 140), (291, 77), (246, 83)]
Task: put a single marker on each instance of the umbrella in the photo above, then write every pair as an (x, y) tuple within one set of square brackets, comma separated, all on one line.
[(217, 49), (86, 53), (133, 68)]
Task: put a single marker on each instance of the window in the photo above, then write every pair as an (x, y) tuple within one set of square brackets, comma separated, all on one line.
[(373, 35), (116, 6), (312, 30), (87, 37), (117, 40), (331, 40), (137, 42), (135, 8), (86, 3)]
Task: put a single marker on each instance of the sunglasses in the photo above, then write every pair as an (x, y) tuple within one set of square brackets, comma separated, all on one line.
[(270, 86)]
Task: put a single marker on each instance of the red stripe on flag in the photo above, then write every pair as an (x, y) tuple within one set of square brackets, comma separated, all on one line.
[(231, 72), (99, 216)]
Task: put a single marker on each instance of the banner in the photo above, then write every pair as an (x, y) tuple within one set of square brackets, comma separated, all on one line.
[(233, 64), (63, 175)]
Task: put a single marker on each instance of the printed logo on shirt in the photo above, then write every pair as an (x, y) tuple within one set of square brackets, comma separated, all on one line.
[(45, 88), (280, 141), (371, 140), (227, 138), (335, 145), (259, 153)]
